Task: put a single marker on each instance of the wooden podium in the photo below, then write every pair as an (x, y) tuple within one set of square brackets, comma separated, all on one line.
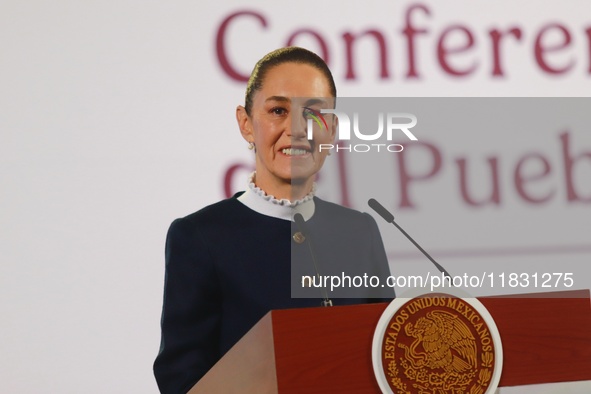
[(546, 338)]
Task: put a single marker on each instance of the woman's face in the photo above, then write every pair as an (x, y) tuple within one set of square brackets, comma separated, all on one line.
[(278, 127)]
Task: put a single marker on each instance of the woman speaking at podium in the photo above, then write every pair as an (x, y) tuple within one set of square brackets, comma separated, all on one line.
[(230, 263)]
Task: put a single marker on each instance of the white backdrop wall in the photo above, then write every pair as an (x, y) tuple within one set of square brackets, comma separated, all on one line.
[(117, 117)]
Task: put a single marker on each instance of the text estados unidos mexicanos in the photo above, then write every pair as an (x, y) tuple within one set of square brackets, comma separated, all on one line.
[(502, 280)]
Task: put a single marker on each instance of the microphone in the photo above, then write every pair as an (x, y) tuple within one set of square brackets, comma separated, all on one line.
[(388, 217), (301, 223)]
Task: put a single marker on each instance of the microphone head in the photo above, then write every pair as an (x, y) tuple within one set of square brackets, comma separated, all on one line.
[(300, 222), (379, 208)]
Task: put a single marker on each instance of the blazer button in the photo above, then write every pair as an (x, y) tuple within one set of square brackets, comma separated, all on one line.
[(299, 237)]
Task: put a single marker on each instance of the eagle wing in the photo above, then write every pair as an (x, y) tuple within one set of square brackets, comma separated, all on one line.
[(453, 333)]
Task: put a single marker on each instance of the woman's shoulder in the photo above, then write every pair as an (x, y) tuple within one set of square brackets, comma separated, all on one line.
[(330, 208), (341, 215), (216, 212)]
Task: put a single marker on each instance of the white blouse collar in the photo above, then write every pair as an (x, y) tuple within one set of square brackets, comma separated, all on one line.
[(256, 199)]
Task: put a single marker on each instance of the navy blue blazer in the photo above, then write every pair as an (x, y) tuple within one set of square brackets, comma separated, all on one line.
[(227, 266)]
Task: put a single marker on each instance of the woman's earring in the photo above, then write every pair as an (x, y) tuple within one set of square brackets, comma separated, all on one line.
[(251, 145)]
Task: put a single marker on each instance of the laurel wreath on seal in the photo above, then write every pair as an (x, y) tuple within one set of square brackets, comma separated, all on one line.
[(395, 380), (427, 381), (487, 359)]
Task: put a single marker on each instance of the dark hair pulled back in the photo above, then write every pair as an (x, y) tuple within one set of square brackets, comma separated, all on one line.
[(281, 56)]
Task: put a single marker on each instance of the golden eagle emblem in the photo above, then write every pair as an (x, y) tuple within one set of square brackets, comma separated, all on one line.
[(443, 341), (438, 345)]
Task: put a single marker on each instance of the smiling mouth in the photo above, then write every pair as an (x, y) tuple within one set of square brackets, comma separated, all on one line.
[(294, 151)]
